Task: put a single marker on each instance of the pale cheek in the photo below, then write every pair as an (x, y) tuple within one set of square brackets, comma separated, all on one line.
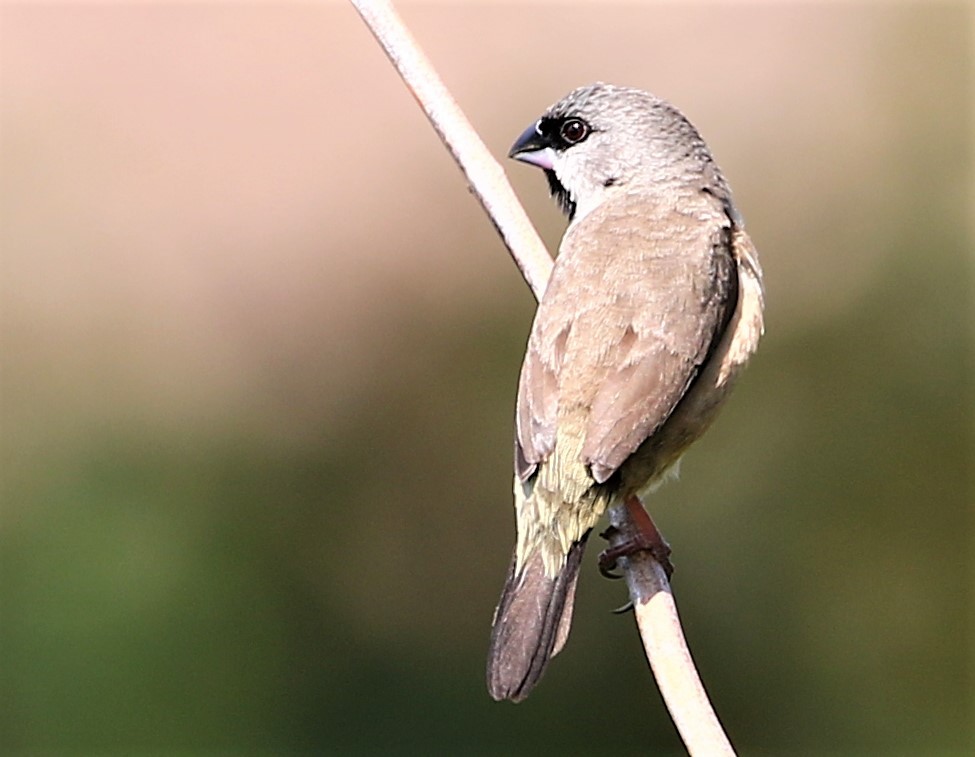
[(573, 176)]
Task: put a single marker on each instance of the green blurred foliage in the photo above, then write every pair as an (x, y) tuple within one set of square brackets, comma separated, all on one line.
[(309, 563)]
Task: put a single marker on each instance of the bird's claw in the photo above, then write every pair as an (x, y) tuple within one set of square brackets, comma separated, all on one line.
[(660, 551), (607, 562)]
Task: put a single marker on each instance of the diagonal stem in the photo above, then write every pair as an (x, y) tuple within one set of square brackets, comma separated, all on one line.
[(665, 645), (483, 172)]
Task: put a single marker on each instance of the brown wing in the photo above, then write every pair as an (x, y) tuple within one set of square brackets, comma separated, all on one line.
[(637, 298)]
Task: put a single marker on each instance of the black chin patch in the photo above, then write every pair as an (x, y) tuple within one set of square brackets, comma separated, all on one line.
[(560, 194)]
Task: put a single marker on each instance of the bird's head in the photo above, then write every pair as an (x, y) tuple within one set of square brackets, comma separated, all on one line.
[(602, 140)]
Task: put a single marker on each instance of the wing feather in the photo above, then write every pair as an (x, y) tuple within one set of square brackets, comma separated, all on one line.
[(637, 298)]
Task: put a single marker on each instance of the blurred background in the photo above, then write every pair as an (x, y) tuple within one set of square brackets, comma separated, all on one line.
[(260, 349)]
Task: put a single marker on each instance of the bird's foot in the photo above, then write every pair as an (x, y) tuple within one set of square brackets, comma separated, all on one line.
[(660, 551), (607, 562), (644, 537)]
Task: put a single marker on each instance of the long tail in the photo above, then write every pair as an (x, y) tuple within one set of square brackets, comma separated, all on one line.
[(531, 624)]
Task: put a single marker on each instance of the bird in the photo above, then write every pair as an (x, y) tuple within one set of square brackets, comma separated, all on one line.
[(654, 305)]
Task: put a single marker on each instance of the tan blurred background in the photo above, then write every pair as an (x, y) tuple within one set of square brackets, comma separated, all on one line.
[(260, 348)]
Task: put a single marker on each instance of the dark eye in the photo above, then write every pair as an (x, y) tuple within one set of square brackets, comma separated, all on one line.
[(574, 130)]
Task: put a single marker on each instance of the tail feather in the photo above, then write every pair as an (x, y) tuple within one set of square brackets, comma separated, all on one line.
[(531, 624)]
